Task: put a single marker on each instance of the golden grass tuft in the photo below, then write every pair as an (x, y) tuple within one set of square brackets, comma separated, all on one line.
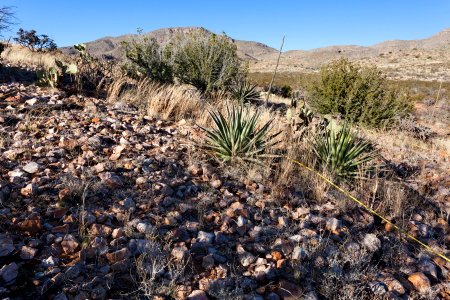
[(23, 56), (177, 102)]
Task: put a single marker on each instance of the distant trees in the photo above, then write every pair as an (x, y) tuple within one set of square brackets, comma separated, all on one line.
[(35, 42)]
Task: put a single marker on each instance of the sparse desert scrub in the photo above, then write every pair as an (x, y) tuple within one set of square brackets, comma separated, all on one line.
[(360, 94), (207, 61), (145, 58), (297, 80), (155, 272), (93, 76)]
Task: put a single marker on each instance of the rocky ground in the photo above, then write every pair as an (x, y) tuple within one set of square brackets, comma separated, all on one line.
[(98, 202)]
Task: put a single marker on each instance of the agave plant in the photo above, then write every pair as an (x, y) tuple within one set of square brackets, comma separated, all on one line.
[(341, 152), (238, 137), (243, 91)]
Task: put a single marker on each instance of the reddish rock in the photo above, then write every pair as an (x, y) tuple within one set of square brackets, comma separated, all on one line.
[(100, 230), (31, 227), (61, 229), (420, 281), (276, 255), (27, 252), (30, 190), (110, 179), (59, 212), (117, 233), (119, 255)]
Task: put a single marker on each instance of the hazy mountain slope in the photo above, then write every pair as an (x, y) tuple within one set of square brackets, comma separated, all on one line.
[(427, 59), (110, 46)]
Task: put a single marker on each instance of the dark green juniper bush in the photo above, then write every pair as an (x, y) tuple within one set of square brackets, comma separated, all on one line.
[(361, 94)]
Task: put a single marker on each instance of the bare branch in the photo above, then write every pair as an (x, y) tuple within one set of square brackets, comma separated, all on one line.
[(6, 18)]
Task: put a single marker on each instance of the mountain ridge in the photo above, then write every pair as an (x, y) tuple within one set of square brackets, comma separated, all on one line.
[(428, 57)]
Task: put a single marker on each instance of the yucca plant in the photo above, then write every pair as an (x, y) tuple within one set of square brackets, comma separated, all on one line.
[(341, 152), (244, 91), (237, 136)]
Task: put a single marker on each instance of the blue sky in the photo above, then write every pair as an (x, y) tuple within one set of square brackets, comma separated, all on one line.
[(306, 24)]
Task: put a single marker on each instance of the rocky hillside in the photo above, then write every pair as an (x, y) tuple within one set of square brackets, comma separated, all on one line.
[(101, 202), (424, 59)]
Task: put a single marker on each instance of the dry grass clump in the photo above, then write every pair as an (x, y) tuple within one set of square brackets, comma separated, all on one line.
[(155, 99), (24, 56), (178, 102)]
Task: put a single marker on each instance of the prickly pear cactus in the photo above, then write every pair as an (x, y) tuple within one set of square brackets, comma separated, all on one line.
[(47, 77)]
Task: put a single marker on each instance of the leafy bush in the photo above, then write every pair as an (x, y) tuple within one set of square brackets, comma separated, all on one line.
[(236, 136), (205, 60), (35, 42), (341, 152), (145, 58), (244, 91), (360, 94)]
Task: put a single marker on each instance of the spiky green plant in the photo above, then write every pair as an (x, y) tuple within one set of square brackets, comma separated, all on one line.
[(237, 136), (341, 152), (244, 91)]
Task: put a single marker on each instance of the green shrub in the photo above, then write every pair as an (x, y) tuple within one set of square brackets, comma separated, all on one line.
[(341, 152), (361, 94), (145, 59), (237, 137), (205, 60)]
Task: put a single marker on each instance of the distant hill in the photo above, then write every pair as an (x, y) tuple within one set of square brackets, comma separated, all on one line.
[(427, 59), (110, 46)]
